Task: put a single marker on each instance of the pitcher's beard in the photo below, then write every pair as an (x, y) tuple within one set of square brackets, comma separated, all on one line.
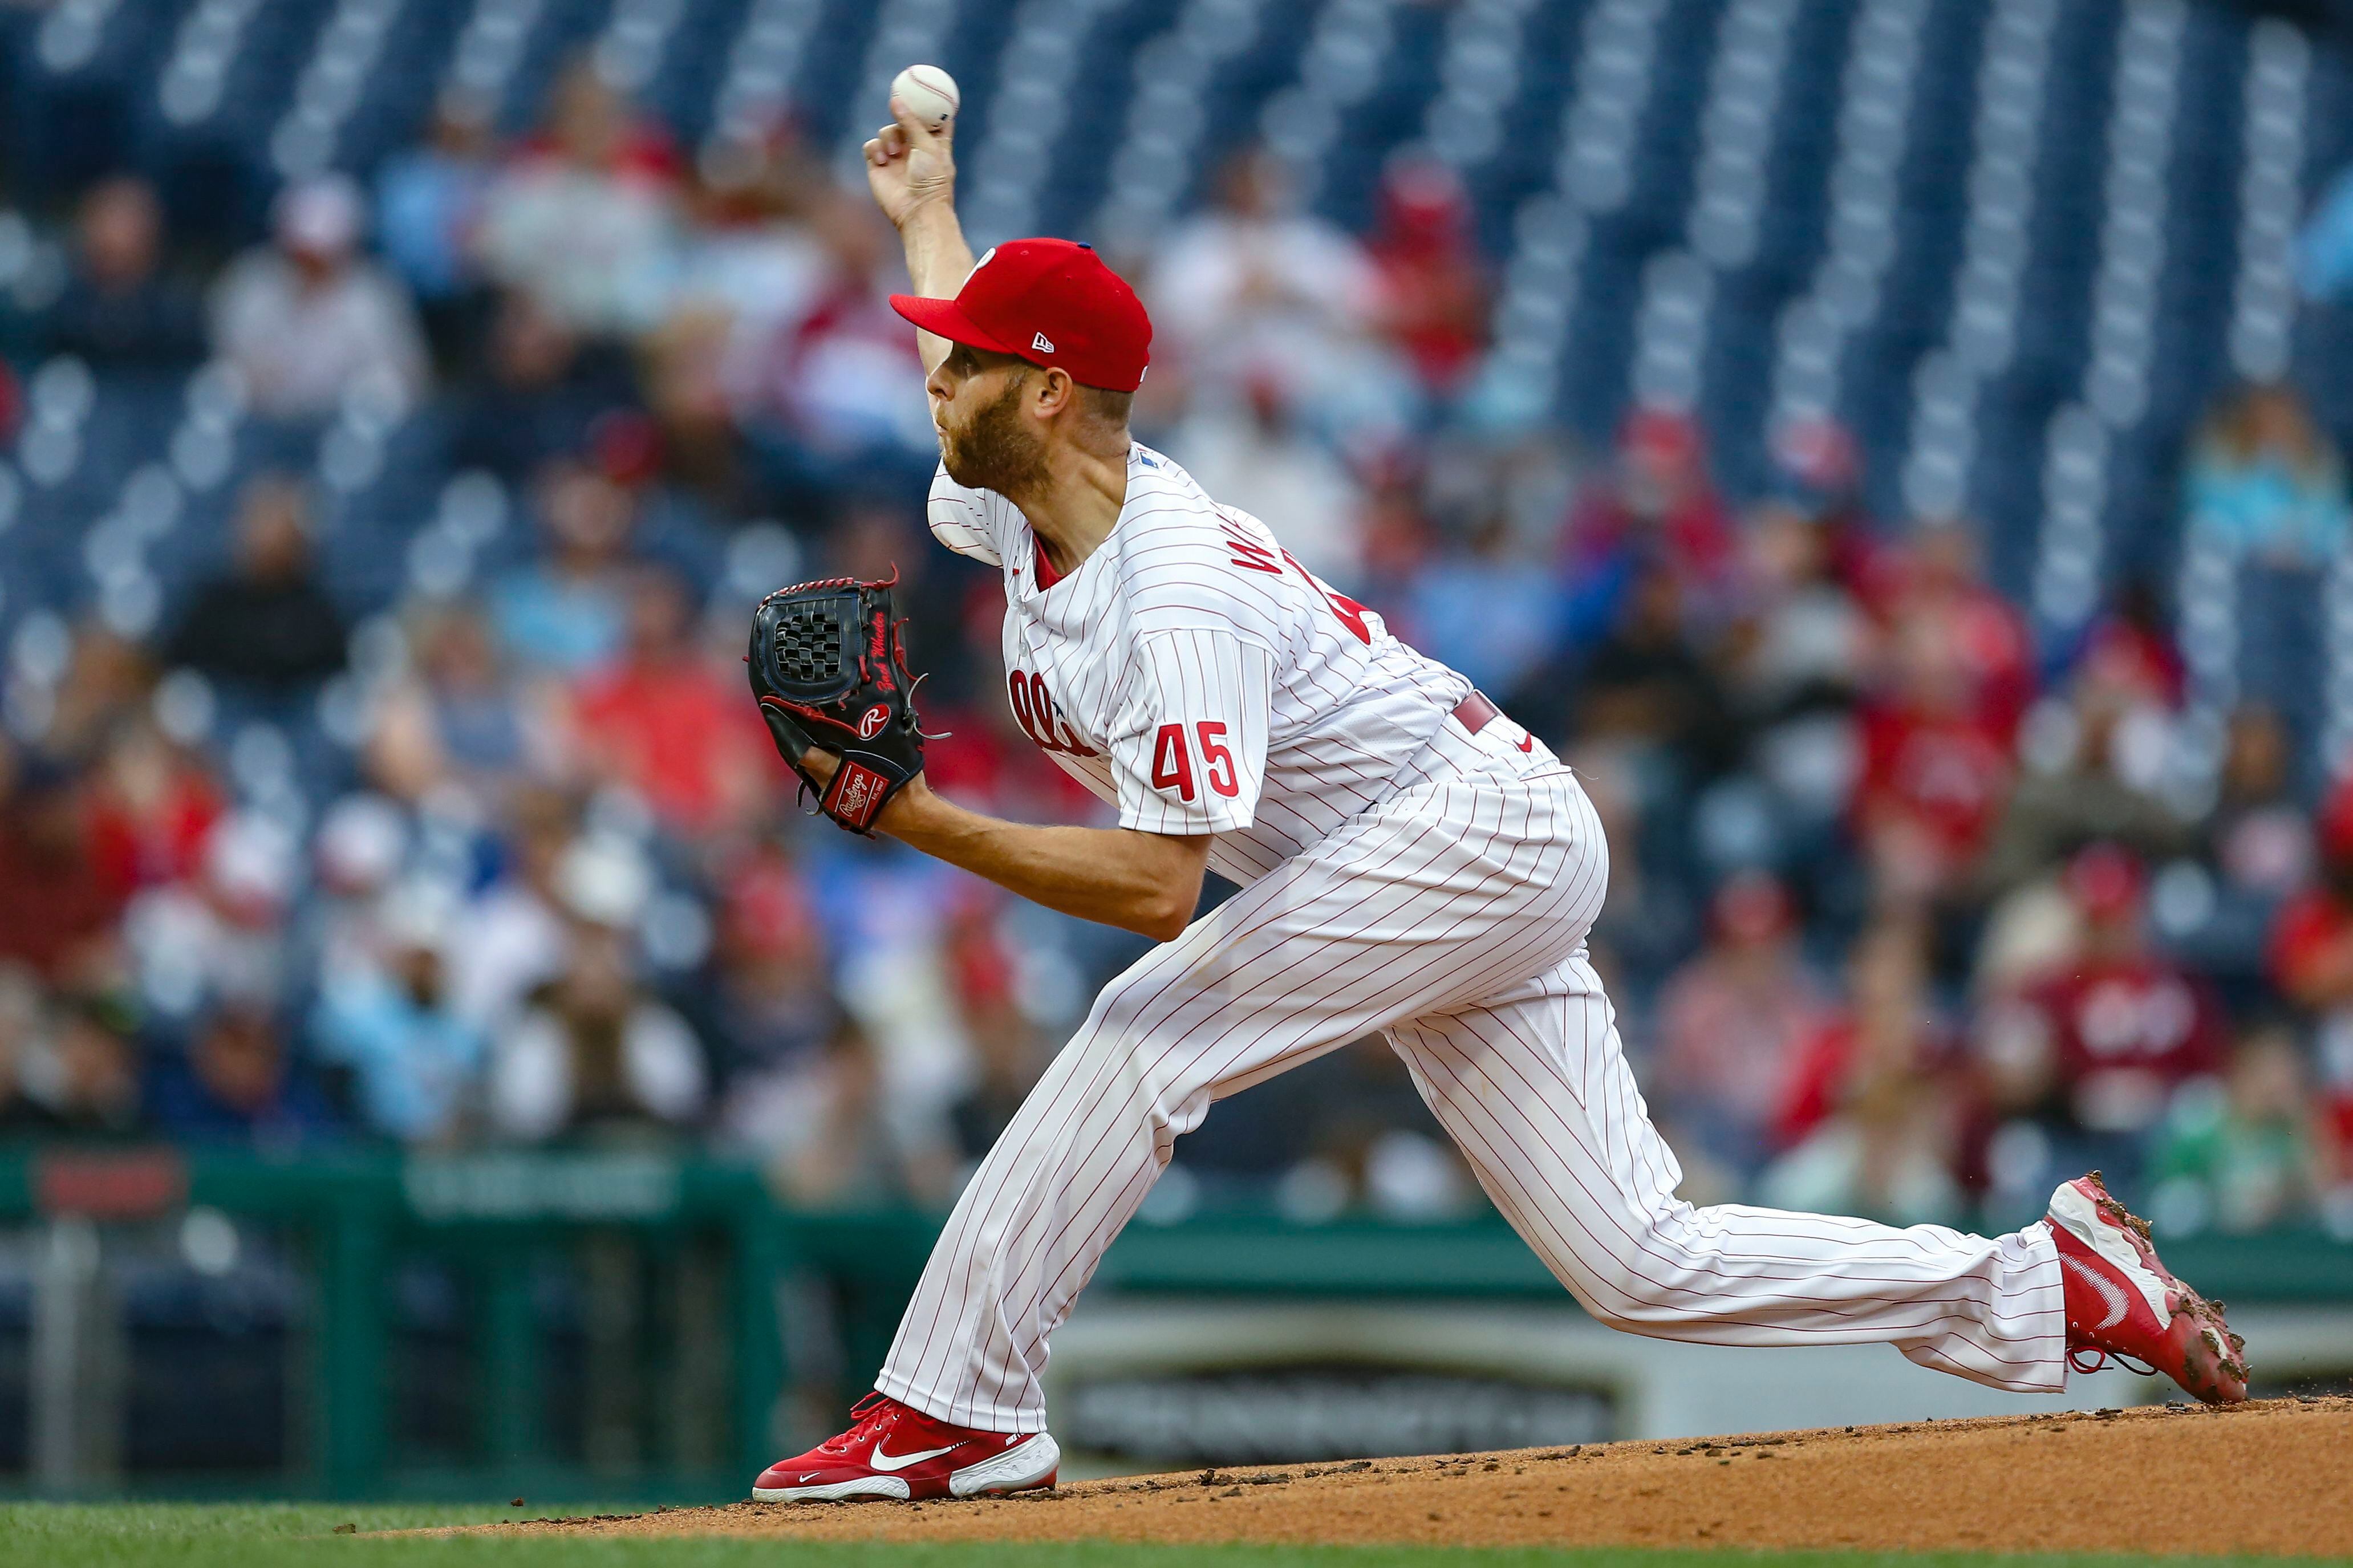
[(995, 452)]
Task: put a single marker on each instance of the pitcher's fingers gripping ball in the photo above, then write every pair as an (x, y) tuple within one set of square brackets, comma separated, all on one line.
[(928, 93), (830, 673), (910, 163)]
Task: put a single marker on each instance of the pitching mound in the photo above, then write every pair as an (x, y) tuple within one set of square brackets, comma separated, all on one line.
[(2274, 1477)]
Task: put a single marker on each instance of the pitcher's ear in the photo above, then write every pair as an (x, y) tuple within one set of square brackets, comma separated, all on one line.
[(1055, 390)]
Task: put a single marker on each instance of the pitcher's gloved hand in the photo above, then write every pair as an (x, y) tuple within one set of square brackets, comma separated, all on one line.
[(830, 675)]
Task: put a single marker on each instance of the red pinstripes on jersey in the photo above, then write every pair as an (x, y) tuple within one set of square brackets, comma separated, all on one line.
[(1302, 1019), (1042, 1256), (1178, 962), (1159, 613), (1404, 877)]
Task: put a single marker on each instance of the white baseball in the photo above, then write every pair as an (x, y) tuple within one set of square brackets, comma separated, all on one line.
[(929, 93)]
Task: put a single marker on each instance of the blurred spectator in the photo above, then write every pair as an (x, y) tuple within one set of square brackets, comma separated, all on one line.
[(593, 1051), (236, 1082), (830, 395), (2252, 851), (151, 806), (81, 1078), (1653, 506), (1732, 1022), (1811, 643), (538, 392), (2312, 946), (1252, 456), (752, 268), (1817, 474), (1887, 1022), (1936, 582), (363, 844), (219, 935), (306, 319), (269, 627), (767, 1005), (415, 1064), (752, 253), (1644, 684), (1867, 1119), (1007, 1059), (2259, 838), (842, 1149), (1397, 541), (2092, 774), (1253, 287), (429, 199), (1433, 288), (2239, 1155), (1487, 611), (2312, 961), (120, 310), (1878, 1158), (1935, 767), (20, 1030), (108, 677), (1007, 1050), (696, 446), (581, 217), (1796, 665), (2090, 1054), (2129, 647), (458, 720), (2264, 482), (58, 909), (662, 720), (511, 939), (566, 612)]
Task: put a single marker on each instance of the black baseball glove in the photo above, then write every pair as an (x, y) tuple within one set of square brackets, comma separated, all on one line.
[(830, 672)]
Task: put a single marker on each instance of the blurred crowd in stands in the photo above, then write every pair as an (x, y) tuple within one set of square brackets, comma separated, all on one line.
[(1913, 910)]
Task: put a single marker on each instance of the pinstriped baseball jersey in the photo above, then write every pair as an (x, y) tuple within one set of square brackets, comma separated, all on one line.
[(1406, 875), (1194, 674)]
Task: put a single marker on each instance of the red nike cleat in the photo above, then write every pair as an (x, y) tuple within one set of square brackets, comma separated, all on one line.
[(893, 1450), (2122, 1302)]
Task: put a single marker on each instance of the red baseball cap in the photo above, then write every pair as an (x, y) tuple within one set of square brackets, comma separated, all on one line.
[(1050, 302), (2107, 880)]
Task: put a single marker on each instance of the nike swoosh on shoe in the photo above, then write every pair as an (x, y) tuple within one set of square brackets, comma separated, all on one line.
[(2109, 1291), (888, 1462)]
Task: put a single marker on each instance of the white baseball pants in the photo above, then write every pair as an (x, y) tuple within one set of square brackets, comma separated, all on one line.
[(1453, 918)]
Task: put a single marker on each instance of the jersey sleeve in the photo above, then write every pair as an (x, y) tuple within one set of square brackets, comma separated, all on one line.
[(1189, 751), (970, 522)]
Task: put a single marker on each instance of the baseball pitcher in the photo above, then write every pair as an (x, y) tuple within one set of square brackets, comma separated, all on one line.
[(1412, 864)]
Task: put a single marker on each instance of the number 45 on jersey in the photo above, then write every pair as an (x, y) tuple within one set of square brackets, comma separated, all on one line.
[(1172, 759)]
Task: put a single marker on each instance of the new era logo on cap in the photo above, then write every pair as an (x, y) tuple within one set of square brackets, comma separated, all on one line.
[(1048, 302)]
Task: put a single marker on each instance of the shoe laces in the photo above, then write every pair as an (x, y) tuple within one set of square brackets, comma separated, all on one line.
[(874, 1410), (2093, 1358)]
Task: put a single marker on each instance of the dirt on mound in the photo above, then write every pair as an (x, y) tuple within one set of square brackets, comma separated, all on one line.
[(2276, 1477)]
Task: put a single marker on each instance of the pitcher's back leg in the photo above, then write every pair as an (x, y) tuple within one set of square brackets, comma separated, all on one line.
[(1535, 1091)]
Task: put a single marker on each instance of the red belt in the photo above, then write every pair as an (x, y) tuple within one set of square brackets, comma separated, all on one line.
[(1474, 712)]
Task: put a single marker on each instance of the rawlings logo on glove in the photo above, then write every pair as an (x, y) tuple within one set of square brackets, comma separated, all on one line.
[(831, 674)]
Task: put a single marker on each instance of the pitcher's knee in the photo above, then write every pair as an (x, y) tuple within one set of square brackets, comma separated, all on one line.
[(1118, 1007), (1635, 1278), (1114, 1067)]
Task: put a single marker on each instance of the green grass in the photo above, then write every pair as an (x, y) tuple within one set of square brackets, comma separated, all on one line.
[(282, 1535)]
